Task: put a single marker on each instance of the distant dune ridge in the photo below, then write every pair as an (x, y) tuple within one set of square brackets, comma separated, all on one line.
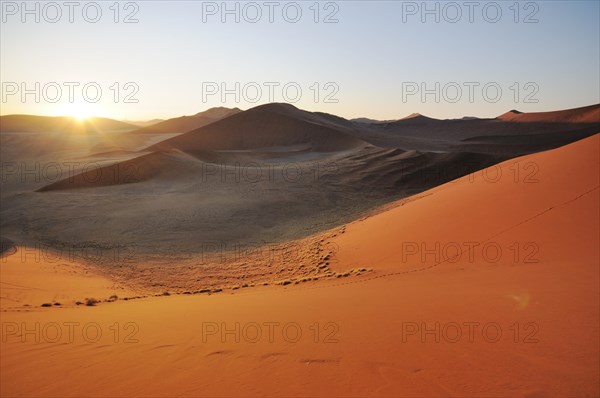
[(286, 129), (501, 135), (588, 114), (144, 123), (187, 123), (273, 125), (273, 171), (66, 124)]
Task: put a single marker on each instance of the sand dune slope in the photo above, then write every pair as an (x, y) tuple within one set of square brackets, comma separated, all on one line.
[(511, 134), (32, 276), (187, 123), (588, 114), (130, 171), (522, 323), (272, 125), (503, 195)]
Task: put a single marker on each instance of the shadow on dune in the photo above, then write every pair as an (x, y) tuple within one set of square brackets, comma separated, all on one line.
[(274, 173)]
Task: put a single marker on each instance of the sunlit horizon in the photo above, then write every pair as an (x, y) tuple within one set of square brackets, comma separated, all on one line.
[(179, 61), (81, 113)]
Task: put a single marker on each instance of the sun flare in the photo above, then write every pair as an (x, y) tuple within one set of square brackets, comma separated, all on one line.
[(79, 112)]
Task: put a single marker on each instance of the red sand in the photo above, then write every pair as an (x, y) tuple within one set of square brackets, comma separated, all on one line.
[(364, 348)]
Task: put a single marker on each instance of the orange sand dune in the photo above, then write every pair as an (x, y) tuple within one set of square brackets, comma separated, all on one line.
[(33, 276), (588, 114), (507, 134), (427, 322)]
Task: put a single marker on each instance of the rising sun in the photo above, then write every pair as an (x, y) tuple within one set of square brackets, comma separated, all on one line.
[(79, 112)]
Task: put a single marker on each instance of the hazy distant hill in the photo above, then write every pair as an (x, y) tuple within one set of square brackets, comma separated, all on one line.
[(39, 124), (271, 125), (187, 123)]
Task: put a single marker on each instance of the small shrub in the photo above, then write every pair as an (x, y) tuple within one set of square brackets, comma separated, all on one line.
[(90, 302)]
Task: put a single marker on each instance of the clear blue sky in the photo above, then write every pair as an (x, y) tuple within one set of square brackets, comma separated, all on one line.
[(370, 54)]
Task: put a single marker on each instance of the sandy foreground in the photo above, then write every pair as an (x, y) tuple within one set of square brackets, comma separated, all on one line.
[(486, 286)]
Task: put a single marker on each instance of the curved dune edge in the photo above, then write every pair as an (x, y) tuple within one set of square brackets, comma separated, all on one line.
[(587, 114), (361, 349), (32, 277), (271, 125), (183, 124)]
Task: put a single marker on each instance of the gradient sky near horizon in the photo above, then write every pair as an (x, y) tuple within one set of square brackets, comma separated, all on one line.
[(373, 53)]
